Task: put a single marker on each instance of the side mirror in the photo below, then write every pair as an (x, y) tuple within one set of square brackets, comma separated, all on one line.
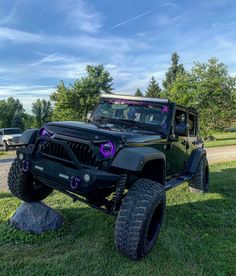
[(181, 130)]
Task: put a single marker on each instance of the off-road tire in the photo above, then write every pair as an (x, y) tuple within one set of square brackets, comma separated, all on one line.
[(200, 182), (139, 219), (5, 146), (22, 185)]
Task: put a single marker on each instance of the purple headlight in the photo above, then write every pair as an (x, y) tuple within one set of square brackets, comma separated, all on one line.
[(107, 149), (43, 132)]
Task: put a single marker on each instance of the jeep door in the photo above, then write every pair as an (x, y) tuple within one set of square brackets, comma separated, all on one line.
[(176, 150), (193, 139)]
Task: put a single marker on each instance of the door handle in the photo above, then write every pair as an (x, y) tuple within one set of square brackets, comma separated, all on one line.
[(184, 143)]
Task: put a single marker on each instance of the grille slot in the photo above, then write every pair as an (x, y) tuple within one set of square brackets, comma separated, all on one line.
[(16, 139), (83, 152)]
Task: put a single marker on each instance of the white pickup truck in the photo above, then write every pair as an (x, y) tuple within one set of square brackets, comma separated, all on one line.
[(10, 137)]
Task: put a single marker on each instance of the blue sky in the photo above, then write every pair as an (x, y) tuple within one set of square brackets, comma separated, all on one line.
[(43, 42)]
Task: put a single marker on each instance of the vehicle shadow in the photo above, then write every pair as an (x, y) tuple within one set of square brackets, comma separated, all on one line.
[(198, 212)]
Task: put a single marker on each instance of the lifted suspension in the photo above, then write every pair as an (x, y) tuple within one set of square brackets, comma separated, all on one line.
[(117, 198)]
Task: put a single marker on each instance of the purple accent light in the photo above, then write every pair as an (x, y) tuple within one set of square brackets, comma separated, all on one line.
[(43, 132), (74, 182), (26, 165), (107, 149), (165, 108)]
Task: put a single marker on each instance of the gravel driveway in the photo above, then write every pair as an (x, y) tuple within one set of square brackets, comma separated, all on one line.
[(4, 168), (215, 155)]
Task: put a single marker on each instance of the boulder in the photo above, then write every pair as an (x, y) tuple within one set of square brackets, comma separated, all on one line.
[(36, 217)]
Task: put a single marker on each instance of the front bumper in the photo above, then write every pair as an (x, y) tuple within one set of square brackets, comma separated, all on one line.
[(14, 144), (58, 175)]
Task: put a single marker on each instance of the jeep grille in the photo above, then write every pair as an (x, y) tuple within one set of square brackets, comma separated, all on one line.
[(82, 151)]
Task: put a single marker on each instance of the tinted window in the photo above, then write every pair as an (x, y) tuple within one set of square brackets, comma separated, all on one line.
[(180, 117), (12, 131), (192, 124)]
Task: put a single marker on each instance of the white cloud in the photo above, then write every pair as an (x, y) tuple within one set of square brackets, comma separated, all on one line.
[(134, 18), (81, 15), (86, 41), (138, 16), (231, 24), (9, 17), (26, 94), (19, 36)]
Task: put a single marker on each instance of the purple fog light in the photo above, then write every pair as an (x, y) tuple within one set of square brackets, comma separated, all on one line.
[(43, 132), (107, 149), (74, 182), (25, 165)]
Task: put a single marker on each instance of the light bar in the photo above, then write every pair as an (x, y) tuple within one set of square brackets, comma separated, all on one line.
[(133, 98)]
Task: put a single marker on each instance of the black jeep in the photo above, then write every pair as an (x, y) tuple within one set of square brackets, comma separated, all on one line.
[(122, 162)]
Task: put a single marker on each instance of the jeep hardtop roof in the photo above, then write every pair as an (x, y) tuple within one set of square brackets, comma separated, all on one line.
[(133, 98)]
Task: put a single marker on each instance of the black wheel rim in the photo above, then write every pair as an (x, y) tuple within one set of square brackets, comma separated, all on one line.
[(155, 224)]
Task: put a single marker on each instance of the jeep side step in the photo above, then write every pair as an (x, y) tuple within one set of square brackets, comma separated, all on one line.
[(177, 181)]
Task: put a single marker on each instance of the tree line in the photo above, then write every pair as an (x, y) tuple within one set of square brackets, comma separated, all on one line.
[(208, 87)]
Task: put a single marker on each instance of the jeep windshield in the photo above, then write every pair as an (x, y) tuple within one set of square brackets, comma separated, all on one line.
[(12, 131), (154, 117)]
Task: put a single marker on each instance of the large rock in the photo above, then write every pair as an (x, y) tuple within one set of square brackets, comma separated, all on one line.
[(36, 217)]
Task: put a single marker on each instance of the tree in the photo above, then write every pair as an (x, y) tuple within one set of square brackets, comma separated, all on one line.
[(153, 89), (74, 102), (215, 90), (28, 121), (42, 111), (174, 70), (8, 108), (211, 90), (17, 121), (138, 93)]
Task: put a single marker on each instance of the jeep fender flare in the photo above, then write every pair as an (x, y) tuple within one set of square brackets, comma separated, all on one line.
[(135, 158), (194, 159), (29, 136)]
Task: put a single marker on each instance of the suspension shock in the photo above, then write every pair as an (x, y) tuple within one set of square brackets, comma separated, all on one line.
[(117, 198)]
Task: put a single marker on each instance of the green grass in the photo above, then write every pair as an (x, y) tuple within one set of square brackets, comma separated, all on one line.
[(8, 154), (222, 139), (197, 238)]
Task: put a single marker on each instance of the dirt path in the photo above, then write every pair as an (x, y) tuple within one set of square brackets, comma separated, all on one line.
[(221, 154), (215, 155)]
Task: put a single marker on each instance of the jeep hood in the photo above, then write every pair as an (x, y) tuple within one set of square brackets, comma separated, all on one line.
[(89, 131)]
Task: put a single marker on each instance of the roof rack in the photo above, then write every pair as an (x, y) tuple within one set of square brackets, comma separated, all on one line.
[(133, 98)]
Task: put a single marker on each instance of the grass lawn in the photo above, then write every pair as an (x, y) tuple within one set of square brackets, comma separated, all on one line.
[(8, 154), (222, 139), (197, 238)]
